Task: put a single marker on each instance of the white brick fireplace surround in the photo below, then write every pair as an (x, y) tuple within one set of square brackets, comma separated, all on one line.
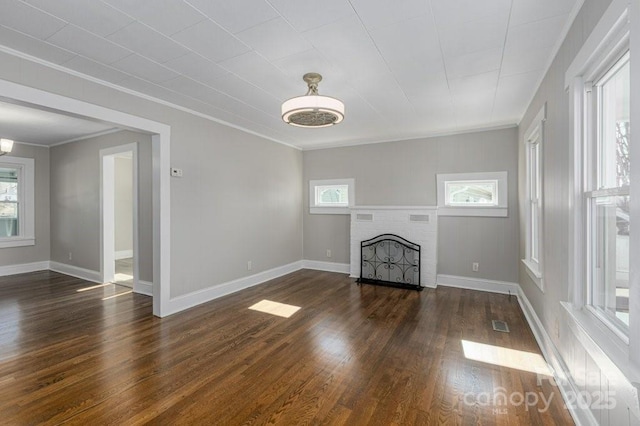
[(418, 224)]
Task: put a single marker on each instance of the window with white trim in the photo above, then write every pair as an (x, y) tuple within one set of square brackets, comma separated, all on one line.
[(331, 196), (533, 188), (601, 235), (16, 202), (472, 194), (606, 191)]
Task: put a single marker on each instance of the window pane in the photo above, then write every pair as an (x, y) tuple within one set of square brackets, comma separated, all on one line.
[(613, 155), (610, 257), (8, 219), (534, 232), (472, 192), (332, 195), (8, 202)]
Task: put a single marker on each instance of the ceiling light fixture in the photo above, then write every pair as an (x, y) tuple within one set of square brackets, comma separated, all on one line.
[(6, 145), (312, 110)]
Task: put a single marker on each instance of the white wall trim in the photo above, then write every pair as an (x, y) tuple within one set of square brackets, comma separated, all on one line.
[(606, 32), (343, 268), (76, 271), (190, 300), (23, 268), (108, 254), (481, 284), (143, 287), (124, 254), (580, 411)]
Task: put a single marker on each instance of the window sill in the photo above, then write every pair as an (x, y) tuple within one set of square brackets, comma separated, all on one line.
[(534, 273), (17, 242), (473, 211), (609, 352), (329, 210)]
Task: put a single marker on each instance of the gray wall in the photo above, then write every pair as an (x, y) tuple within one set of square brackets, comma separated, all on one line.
[(123, 204), (556, 162), (589, 376), (40, 251), (404, 173), (75, 204), (237, 188)]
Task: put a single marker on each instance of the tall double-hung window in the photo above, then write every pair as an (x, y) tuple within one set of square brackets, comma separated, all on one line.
[(16, 202), (607, 184), (533, 209)]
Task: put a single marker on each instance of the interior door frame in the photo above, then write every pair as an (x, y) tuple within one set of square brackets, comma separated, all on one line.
[(161, 152), (107, 213)]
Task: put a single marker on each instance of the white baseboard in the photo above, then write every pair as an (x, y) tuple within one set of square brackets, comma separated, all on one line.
[(143, 287), (343, 268), (123, 254), (76, 271), (581, 413), (190, 300), (481, 284), (24, 268)]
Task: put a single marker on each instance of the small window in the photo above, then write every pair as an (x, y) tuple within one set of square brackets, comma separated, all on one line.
[(16, 202), (333, 196), (472, 194)]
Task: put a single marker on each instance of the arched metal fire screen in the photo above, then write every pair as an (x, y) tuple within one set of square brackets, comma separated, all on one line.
[(390, 260)]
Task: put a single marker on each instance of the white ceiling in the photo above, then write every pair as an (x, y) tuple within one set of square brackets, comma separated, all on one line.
[(404, 68)]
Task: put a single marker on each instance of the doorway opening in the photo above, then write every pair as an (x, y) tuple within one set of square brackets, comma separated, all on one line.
[(160, 149), (119, 208)]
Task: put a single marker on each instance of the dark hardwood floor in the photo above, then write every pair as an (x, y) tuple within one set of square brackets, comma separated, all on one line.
[(351, 355)]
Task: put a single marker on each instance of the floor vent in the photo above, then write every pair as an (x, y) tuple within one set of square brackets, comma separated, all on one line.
[(500, 326)]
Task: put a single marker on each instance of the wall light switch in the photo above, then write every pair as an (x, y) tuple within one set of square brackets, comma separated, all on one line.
[(175, 172)]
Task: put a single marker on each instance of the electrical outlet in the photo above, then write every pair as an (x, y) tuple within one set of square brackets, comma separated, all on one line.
[(175, 172), (328, 253), (70, 256), (249, 265), (475, 266)]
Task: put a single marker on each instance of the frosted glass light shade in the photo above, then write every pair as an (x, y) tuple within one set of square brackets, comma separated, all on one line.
[(6, 145), (313, 111)]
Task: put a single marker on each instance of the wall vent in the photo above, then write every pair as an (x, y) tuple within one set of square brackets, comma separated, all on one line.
[(419, 218), (364, 217)]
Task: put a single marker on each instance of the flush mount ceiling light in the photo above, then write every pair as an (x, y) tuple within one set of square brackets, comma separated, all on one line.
[(312, 110), (6, 145)]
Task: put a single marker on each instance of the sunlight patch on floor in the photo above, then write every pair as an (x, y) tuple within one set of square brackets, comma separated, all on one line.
[(275, 308), (505, 357), (93, 287), (117, 295), (122, 277)]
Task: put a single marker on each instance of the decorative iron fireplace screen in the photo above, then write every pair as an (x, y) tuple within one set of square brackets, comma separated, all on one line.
[(391, 260)]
